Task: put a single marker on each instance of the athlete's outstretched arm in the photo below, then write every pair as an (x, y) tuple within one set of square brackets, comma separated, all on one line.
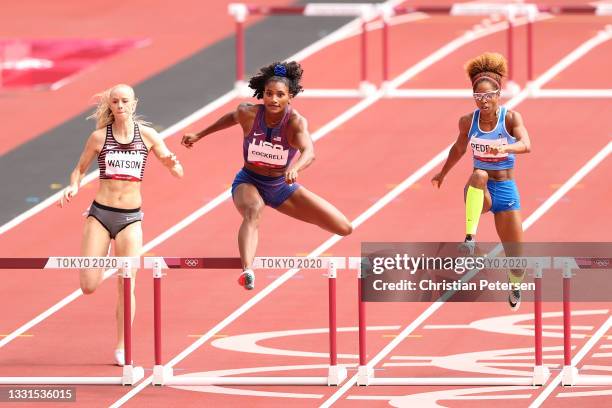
[(456, 151), (91, 150), (165, 156), (301, 140), (225, 121)]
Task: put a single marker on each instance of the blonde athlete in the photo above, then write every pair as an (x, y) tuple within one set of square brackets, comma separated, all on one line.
[(121, 143)]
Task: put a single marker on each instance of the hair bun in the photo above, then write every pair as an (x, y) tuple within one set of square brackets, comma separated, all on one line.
[(280, 70)]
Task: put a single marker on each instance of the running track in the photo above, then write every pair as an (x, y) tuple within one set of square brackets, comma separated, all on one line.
[(395, 138)]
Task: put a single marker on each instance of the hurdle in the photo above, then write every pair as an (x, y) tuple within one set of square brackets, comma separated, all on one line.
[(570, 375), (365, 12), (515, 14), (539, 376), (163, 375), (131, 374)]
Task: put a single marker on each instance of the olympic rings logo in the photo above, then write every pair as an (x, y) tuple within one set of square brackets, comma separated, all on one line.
[(191, 262)]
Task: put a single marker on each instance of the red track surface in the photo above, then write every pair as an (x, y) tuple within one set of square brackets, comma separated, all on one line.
[(175, 29), (390, 140)]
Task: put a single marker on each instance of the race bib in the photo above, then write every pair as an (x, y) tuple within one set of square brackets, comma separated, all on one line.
[(482, 147), (267, 153), (124, 165)]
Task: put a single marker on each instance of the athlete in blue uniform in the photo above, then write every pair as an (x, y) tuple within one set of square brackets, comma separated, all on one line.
[(273, 133), (495, 134)]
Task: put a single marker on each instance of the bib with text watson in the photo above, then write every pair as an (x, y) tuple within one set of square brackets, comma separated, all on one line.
[(124, 165)]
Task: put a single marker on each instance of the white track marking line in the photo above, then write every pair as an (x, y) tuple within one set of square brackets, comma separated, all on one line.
[(338, 35), (541, 210), (53, 199), (321, 132), (315, 47), (579, 356), (199, 114), (429, 166), (537, 214)]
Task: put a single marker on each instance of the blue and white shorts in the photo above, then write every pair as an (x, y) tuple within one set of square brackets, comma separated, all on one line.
[(504, 195)]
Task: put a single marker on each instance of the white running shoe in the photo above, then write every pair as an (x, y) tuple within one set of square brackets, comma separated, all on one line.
[(120, 357)]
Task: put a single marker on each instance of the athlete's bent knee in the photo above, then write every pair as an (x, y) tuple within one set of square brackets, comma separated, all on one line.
[(252, 212), (88, 288), (479, 178)]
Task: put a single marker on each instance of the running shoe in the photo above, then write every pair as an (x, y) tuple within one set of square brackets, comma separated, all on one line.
[(514, 299), (120, 357), (247, 279), (468, 247)]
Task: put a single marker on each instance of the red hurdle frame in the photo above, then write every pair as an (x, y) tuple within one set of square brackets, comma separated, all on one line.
[(163, 374), (130, 374)]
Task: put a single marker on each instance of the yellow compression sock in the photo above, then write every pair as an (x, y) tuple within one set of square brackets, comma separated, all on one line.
[(514, 278), (474, 200)]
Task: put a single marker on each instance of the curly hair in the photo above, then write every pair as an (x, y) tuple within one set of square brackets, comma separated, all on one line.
[(489, 66), (290, 73)]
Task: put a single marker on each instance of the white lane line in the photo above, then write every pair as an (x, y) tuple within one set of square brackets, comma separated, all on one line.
[(541, 210), (579, 356), (537, 214), (321, 132), (53, 199), (313, 48), (335, 36), (390, 196), (601, 37)]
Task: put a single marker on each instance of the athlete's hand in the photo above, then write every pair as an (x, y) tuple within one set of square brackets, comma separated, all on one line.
[(437, 180), (69, 192), (291, 176), (189, 140), (169, 160), (497, 149)]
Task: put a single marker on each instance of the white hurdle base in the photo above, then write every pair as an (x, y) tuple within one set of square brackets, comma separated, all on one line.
[(336, 375), (131, 375), (365, 376), (541, 374), (165, 376), (571, 376)]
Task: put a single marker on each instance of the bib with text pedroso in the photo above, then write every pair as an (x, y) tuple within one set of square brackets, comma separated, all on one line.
[(267, 154), (482, 147), (124, 165)]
